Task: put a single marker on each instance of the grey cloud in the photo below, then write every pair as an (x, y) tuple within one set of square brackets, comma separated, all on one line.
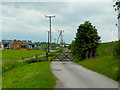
[(30, 18)]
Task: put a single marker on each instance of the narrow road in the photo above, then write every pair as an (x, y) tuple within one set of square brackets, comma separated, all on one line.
[(72, 75)]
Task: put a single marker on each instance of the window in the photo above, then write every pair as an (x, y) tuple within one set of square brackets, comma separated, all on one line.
[(23, 46)]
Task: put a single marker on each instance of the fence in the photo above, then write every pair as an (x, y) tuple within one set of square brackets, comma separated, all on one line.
[(41, 57), (30, 59)]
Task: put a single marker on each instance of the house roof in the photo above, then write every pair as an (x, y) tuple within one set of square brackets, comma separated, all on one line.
[(27, 42), (7, 41), (11, 41)]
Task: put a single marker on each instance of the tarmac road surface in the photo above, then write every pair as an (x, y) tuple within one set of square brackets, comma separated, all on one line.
[(72, 75)]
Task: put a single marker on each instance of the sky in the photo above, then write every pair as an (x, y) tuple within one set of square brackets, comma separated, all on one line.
[(26, 20)]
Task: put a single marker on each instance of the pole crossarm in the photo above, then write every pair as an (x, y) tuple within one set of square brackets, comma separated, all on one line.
[(50, 16)]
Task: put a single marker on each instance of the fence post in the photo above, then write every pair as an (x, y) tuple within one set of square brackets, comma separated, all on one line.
[(46, 56), (36, 56), (22, 58)]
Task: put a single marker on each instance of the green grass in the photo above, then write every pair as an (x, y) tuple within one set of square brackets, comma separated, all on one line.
[(10, 58), (35, 75), (14, 55), (26, 74), (105, 63), (0, 55), (105, 49)]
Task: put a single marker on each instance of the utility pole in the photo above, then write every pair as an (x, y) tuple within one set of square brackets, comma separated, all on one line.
[(50, 16), (48, 40)]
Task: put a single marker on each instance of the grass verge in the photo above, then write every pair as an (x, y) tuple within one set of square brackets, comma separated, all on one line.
[(35, 75), (106, 65)]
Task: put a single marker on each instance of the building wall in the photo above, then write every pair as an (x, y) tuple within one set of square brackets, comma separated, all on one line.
[(17, 45)]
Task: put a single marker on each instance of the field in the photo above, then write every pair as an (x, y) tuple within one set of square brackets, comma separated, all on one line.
[(105, 63), (10, 58), (15, 55), (25, 74)]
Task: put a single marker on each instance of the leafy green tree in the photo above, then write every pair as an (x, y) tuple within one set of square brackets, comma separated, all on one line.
[(86, 41), (73, 48)]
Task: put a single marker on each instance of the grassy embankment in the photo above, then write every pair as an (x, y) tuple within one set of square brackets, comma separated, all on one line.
[(26, 75), (105, 63), (35, 75)]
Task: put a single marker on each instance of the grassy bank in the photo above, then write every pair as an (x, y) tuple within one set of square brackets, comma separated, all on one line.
[(35, 75), (105, 63)]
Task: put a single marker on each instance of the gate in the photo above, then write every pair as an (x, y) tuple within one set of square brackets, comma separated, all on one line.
[(65, 56)]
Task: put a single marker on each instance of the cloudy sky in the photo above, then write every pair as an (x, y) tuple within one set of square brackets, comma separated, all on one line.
[(26, 20)]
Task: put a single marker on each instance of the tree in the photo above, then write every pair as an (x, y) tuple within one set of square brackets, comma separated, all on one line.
[(86, 41), (117, 7)]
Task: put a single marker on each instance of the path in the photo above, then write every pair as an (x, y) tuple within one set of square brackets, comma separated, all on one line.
[(72, 75)]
